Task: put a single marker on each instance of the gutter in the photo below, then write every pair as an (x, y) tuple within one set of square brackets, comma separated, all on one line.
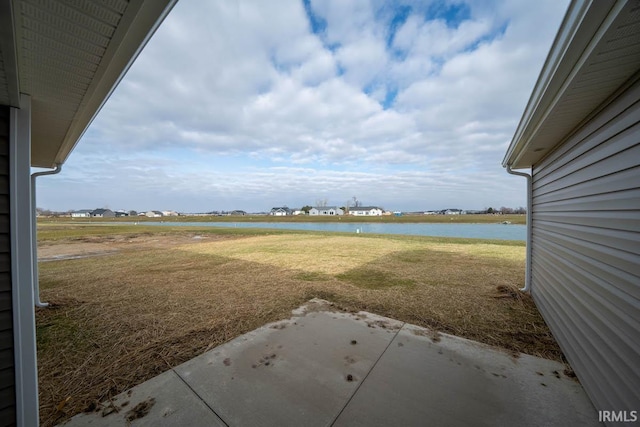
[(527, 277), (34, 235)]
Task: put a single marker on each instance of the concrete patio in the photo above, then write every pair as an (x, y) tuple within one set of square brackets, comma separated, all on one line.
[(325, 367)]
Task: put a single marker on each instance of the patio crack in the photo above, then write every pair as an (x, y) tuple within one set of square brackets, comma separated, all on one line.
[(201, 399), (366, 376)]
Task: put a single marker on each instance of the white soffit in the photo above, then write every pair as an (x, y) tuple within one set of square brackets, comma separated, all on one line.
[(596, 51), (71, 54), (9, 91)]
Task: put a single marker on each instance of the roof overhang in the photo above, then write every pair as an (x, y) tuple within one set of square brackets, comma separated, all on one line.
[(69, 57), (594, 54)]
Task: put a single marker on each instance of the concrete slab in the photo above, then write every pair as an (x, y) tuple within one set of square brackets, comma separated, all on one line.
[(162, 401), (327, 367), (297, 372), (451, 381)]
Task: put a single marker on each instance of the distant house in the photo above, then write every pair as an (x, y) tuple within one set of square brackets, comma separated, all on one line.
[(326, 211), (283, 211), (82, 213), (102, 213), (451, 212), (121, 213), (298, 212), (238, 213), (169, 213), (153, 214), (365, 211)]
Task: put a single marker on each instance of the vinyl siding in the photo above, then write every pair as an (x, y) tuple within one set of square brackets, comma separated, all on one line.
[(7, 372), (586, 251)]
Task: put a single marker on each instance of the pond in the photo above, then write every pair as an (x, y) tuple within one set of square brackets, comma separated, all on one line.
[(475, 231)]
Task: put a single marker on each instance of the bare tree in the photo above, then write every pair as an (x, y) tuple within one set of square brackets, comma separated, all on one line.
[(356, 203), (322, 203)]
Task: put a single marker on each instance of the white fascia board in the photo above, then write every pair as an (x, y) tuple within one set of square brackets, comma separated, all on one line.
[(140, 21), (582, 28)]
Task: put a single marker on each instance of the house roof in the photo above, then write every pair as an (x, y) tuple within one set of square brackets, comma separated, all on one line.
[(593, 56), (364, 208), (69, 57), (100, 211)]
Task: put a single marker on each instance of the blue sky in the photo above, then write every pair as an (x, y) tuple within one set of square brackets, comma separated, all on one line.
[(407, 105)]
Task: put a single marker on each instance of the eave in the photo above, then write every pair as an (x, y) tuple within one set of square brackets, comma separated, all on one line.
[(595, 53), (69, 57)]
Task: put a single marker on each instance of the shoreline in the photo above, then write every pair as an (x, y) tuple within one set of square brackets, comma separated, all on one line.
[(516, 219)]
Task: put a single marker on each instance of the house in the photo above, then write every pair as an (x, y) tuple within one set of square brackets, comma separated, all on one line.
[(299, 212), (169, 213), (365, 211), (326, 211), (451, 212), (283, 211), (102, 213), (82, 213), (153, 214), (579, 143), (238, 213), (121, 213)]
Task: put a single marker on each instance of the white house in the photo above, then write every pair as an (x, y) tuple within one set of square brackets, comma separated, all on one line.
[(82, 213), (280, 211), (326, 211), (365, 211), (578, 143)]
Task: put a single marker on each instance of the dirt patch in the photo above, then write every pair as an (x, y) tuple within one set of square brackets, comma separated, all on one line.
[(317, 305), (90, 246), (73, 250), (140, 410)]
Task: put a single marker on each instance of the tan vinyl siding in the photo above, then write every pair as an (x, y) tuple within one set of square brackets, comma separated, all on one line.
[(586, 251), (7, 371)]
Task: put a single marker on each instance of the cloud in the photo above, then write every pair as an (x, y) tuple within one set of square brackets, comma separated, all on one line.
[(254, 103)]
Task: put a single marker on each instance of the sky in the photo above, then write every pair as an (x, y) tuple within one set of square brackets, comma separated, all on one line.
[(248, 104)]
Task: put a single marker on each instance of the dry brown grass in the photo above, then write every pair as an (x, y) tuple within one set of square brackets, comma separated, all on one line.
[(123, 318)]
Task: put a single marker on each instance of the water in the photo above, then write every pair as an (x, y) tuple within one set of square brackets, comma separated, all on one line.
[(475, 231)]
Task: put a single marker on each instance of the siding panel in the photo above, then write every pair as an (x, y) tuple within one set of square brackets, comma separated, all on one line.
[(7, 366), (586, 255)]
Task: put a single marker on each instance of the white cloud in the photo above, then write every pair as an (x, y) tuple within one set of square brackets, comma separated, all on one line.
[(423, 121)]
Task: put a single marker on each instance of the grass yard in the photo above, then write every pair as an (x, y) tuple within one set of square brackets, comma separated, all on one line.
[(148, 298)]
